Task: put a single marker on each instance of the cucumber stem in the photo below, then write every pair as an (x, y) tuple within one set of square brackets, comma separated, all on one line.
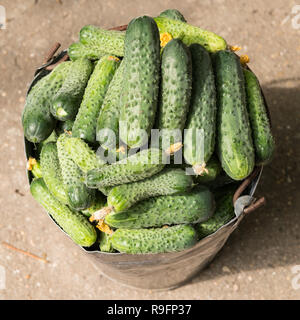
[(200, 169), (100, 214)]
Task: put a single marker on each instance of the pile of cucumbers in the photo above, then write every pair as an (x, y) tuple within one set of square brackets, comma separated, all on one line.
[(105, 184)]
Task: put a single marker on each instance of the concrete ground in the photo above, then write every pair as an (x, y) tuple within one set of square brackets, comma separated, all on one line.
[(260, 259)]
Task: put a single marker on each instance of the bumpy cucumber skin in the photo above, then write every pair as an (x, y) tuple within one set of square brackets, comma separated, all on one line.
[(99, 203), (203, 108), (80, 152), (110, 112), (67, 100), (261, 131), (80, 197), (135, 241), (176, 88), (214, 170), (173, 14), (107, 41), (105, 243), (190, 34), (37, 120), (79, 50), (235, 147), (167, 182), (223, 214), (134, 168), (86, 120), (73, 223), (52, 172), (141, 81), (184, 208)]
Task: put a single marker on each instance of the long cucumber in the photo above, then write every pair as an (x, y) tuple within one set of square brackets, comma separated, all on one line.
[(73, 223), (86, 120), (235, 146)]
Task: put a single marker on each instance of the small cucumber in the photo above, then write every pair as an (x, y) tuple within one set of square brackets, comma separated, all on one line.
[(223, 214), (105, 242), (175, 92), (192, 207), (107, 132), (167, 182), (80, 152), (141, 81), (160, 240), (79, 50), (99, 203), (80, 197), (107, 41), (85, 123), (79, 229), (235, 147), (37, 121), (214, 169), (261, 131), (173, 14), (52, 172), (190, 34), (202, 114), (66, 102), (137, 167)]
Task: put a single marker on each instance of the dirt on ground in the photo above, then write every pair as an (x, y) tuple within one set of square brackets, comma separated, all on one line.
[(260, 259)]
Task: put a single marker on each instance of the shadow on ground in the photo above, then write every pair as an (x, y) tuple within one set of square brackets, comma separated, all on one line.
[(270, 236)]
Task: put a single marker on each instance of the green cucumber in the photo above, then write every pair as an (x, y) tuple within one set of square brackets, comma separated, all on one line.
[(107, 132), (137, 167), (135, 241), (79, 196), (52, 172), (79, 50), (202, 114), (167, 182), (79, 229), (66, 102), (107, 41), (175, 93), (141, 81), (235, 147), (85, 123), (214, 169), (190, 34), (192, 207), (37, 121), (63, 126), (99, 203), (223, 214), (105, 242), (173, 14), (80, 152), (261, 131)]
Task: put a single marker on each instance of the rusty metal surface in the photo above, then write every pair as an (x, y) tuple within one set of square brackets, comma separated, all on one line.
[(165, 270)]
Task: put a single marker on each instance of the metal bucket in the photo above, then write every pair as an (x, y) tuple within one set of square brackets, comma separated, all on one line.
[(164, 270)]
